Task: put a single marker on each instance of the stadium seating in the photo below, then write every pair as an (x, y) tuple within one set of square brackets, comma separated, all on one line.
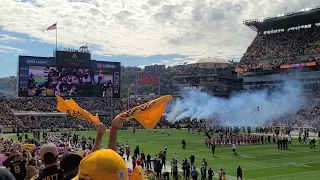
[(291, 47), (100, 105)]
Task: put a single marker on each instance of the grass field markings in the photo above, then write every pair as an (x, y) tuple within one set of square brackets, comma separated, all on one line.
[(193, 143), (260, 167), (275, 160), (258, 146), (262, 161), (295, 164), (281, 159), (287, 174), (286, 152), (154, 142), (173, 146), (247, 157), (277, 166), (304, 176)]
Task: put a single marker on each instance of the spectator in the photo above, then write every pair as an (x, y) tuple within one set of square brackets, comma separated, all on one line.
[(49, 155), (5, 174), (239, 173), (69, 164), (210, 174), (194, 174), (101, 164), (222, 174), (289, 47), (31, 171)]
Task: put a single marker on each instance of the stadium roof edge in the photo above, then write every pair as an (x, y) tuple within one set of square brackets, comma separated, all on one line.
[(282, 21)]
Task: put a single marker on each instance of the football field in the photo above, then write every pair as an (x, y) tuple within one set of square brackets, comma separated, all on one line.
[(258, 162)]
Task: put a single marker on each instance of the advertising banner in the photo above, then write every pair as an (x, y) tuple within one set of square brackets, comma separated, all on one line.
[(151, 79), (36, 61), (311, 63), (241, 69), (297, 65), (238, 70), (285, 66), (23, 76), (73, 59), (106, 65)]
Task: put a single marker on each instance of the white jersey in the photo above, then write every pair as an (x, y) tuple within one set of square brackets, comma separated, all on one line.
[(234, 146), (175, 156)]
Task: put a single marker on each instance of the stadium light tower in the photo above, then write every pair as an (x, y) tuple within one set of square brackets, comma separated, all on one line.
[(84, 49)]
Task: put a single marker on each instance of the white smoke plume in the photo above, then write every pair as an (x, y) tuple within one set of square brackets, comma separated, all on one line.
[(242, 109)]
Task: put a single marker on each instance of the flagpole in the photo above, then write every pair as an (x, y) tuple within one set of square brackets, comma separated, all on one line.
[(56, 36), (128, 99)]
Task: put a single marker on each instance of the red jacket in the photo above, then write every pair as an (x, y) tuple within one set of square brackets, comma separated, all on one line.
[(138, 162)]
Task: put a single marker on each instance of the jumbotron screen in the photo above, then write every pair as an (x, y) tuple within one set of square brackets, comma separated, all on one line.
[(44, 77)]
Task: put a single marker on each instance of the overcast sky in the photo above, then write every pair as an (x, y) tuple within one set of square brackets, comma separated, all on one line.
[(134, 32)]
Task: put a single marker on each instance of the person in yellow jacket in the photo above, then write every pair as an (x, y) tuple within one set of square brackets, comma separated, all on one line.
[(222, 174)]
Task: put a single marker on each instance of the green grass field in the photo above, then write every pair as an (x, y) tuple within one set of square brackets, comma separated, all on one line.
[(258, 162)]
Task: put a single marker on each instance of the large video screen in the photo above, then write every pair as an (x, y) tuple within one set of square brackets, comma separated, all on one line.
[(41, 77), (52, 81), (104, 83)]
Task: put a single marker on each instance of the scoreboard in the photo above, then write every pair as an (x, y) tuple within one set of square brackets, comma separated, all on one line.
[(71, 74)]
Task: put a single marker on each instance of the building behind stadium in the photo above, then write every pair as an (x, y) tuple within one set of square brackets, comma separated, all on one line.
[(213, 75)]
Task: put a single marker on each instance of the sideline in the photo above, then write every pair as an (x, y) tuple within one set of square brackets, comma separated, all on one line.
[(168, 169), (289, 174), (5, 136)]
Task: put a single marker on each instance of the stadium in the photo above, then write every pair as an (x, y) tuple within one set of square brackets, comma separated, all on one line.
[(272, 128), (212, 75)]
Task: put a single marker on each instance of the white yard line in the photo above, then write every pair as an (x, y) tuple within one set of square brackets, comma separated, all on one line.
[(283, 165), (274, 177)]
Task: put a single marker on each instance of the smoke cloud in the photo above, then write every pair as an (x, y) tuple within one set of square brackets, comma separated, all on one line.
[(253, 108)]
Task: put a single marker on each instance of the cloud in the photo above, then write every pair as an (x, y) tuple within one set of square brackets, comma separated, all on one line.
[(145, 27), (8, 49), (7, 38)]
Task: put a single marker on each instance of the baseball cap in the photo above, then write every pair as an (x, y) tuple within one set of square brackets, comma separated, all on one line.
[(102, 164), (69, 161), (49, 153)]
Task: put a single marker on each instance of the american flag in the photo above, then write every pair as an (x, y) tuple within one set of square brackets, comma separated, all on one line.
[(53, 27)]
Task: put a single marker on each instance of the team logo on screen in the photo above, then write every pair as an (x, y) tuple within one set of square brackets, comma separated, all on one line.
[(74, 60)]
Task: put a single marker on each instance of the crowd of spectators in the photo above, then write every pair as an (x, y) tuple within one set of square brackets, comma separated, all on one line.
[(306, 116), (102, 106), (290, 47), (49, 104), (7, 118)]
